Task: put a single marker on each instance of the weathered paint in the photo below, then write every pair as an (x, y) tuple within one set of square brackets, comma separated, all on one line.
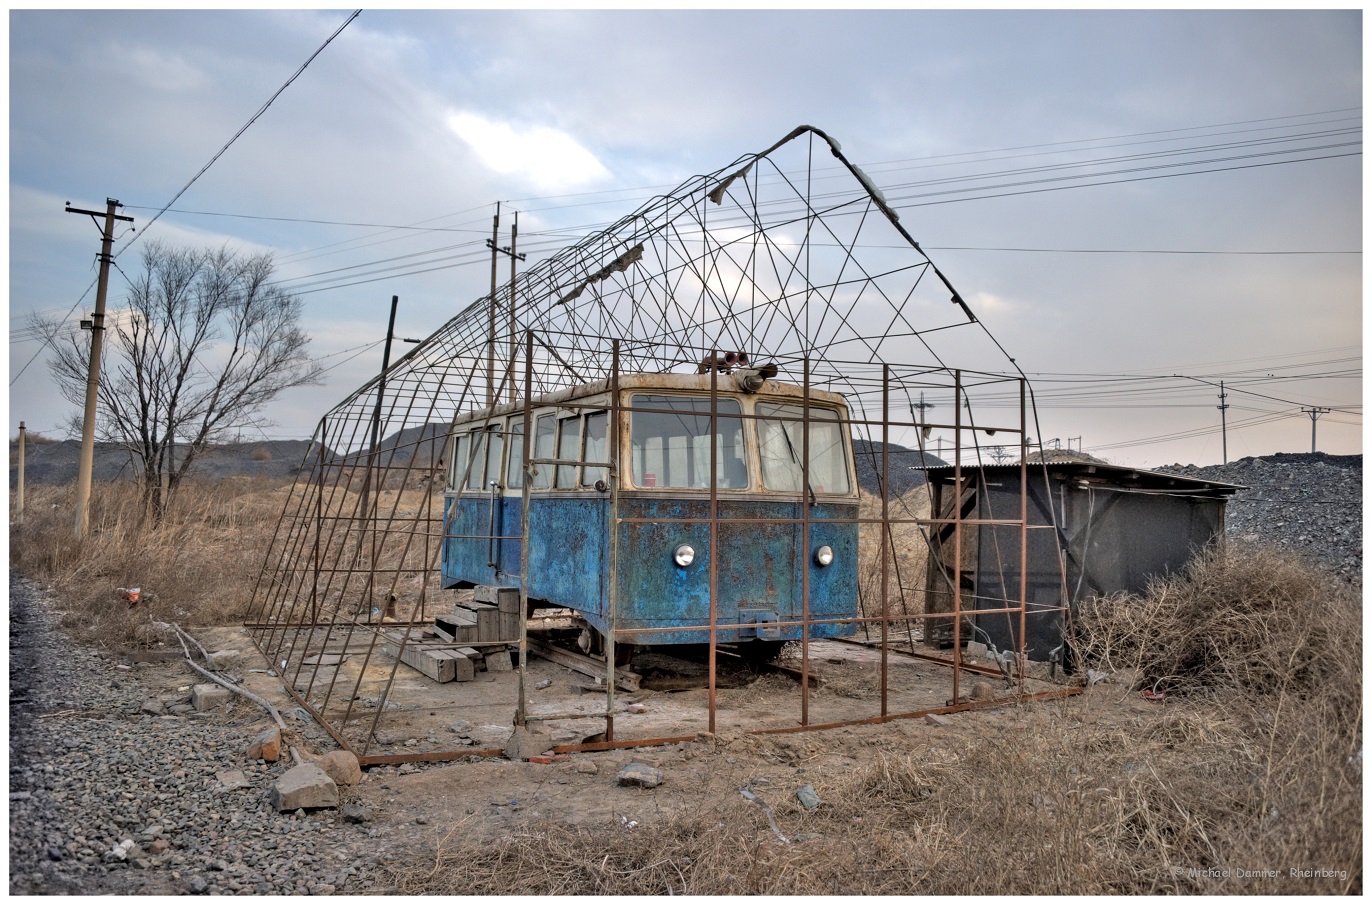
[(759, 578)]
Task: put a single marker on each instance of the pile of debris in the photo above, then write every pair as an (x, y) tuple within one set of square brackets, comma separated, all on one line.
[(1305, 503)]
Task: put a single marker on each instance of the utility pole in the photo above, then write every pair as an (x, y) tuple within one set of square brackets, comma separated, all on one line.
[(1224, 434), (514, 341), (19, 501), (919, 419), (87, 464), (1314, 412), (1069, 443), (490, 337)]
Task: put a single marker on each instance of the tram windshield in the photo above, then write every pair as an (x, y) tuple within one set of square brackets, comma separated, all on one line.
[(782, 447), (671, 447)]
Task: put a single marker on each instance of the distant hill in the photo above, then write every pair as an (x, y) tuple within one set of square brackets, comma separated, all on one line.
[(416, 448), (904, 466), (56, 463)]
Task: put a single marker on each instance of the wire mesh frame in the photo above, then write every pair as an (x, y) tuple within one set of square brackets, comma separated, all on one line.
[(291, 634), (754, 256)]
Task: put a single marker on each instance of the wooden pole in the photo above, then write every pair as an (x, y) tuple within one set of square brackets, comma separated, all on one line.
[(19, 502)]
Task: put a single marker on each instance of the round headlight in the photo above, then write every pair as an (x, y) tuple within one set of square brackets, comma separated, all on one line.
[(684, 555), (824, 555)]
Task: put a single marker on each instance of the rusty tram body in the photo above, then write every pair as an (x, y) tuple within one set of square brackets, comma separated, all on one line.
[(601, 498)]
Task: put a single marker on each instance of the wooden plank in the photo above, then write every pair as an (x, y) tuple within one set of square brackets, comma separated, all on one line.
[(587, 666), (439, 665), (487, 621), (458, 627)]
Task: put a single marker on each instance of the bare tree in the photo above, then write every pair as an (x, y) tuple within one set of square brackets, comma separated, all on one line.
[(206, 340)]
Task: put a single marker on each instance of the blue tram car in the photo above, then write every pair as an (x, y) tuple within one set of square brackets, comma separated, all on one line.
[(662, 497)]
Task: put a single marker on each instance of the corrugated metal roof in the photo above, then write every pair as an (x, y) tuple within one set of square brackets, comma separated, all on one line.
[(1094, 472)]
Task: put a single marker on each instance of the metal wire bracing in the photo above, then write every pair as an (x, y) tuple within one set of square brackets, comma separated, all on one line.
[(790, 255)]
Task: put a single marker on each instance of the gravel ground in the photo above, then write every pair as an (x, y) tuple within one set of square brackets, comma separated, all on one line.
[(1304, 503), (89, 770)]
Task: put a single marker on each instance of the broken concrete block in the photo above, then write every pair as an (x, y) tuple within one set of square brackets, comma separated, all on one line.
[(207, 696), (232, 779), (152, 706), (637, 774), (342, 767), (525, 742), (306, 786), (221, 660), (266, 745)]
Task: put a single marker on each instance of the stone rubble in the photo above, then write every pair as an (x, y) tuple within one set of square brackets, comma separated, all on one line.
[(106, 799)]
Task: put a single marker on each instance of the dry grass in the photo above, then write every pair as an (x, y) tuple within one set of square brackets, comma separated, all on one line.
[(1251, 765), (905, 555), (197, 567)]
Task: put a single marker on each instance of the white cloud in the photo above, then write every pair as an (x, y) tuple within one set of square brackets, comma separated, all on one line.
[(548, 157)]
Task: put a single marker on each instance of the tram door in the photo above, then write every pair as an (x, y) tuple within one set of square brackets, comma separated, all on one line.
[(569, 512)]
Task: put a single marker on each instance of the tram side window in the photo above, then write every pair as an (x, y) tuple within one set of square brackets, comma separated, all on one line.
[(568, 441), (781, 444), (477, 458), (514, 475), (457, 467), (597, 448), (495, 450), (545, 436), (672, 449)]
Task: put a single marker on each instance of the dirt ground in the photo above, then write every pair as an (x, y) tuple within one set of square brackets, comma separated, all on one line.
[(418, 806)]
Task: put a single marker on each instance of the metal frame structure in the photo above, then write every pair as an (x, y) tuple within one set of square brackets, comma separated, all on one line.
[(791, 254)]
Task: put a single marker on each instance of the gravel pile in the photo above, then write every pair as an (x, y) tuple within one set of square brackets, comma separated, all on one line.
[(1304, 503), (108, 799)]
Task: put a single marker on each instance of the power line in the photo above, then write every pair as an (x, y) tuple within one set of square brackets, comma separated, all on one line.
[(261, 110), (203, 170)]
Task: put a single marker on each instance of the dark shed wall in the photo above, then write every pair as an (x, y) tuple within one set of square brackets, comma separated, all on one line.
[(1118, 540), (1114, 539), (998, 566)]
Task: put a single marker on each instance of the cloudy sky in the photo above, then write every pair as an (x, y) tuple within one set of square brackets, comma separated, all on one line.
[(1118, 195)]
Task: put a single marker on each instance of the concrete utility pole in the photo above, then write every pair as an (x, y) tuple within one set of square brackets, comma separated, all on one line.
[(490, 336), (919, 419), (1224, 435), (83, 473), (514, 339), (1314, 412), (19, 501)]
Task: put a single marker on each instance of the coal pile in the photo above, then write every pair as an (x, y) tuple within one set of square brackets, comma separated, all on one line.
[(1309, 504), (905, 466)]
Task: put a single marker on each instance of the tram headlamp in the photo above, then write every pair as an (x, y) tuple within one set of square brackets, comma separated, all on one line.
[(824, 555), (684, 555)]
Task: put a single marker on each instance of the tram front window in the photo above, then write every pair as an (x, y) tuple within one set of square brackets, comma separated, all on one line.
[(672, 448), (782, 447)]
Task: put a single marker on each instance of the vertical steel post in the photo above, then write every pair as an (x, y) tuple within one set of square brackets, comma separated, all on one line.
[(1023, 536), (714, 535), (318, 522), (957, 530), (887, 541), (612, 579), (805, 545), (521, 704), (367, 526)]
